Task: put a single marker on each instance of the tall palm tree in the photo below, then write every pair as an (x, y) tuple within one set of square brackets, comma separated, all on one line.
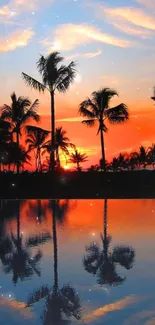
[(36, 141), (61, 143), (78, 158), (16, 257), (59, 302), (20, 112), (5, 138), (98, 110), (54, 78), (102, 262)]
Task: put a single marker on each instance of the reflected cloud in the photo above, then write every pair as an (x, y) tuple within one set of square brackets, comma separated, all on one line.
[(147, 316), (118, 305), (16, 307)]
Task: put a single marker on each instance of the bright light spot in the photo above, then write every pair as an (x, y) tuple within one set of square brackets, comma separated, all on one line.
[(152, 210), (10, 296), (91, 204), (93, 234), (66, 167)]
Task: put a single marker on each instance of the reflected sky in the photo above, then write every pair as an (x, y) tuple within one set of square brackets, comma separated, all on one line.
[(56, 235)]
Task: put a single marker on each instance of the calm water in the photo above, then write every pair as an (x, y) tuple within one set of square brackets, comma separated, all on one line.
[(77, 262)]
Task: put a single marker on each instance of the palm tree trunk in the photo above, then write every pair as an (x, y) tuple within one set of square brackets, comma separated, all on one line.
[(103, 151), (17, 139), (39, 160), (105, 229), (55, 246), (57, 157), (18, 221), (52, 156)]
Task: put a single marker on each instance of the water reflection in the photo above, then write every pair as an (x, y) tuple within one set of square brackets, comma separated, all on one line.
[(61, 277), (59, 302), (15, 253), (102, 263)]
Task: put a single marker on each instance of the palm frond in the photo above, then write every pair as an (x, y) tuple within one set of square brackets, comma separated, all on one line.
[(6, 112), (90, 122), (66, 76), (118, 114), (33, 83), (37, 295), (102, 97), (84, 111), (41, 64), (31, 113)]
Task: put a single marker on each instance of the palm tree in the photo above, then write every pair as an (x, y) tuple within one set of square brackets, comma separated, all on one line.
[(151, 155), (97, 110), (143, 156), (36, 141), (102, 262), (16, 257), (61, 143), (5, 137), (54, 78), (20, 112), (17, 155), (77, 158), (59, 302), (134, 160)]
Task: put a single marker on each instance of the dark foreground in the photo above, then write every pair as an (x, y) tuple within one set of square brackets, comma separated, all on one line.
[(138, 184)]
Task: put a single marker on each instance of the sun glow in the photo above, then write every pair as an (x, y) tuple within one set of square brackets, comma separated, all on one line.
[(66, 167)]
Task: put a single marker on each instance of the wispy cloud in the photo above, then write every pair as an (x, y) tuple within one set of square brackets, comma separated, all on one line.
[(118, 305), (139, 32), (89, 55), (135, 16), (145, 315), (68, 37), (15, 7), (148, 3), (70, 119), (15, 39)]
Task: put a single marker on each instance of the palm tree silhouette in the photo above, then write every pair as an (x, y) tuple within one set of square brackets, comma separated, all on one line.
[(97, 110), (78, 158), (102, 262), (59, 302), (20, 112), (143, 156), (151, 155), (54, 77), (153, 97), (16, 257), (5, 137), (61, 143), (17, 155), (36, 141)]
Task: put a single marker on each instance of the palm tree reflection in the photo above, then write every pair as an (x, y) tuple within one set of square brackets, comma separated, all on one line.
[(102, 262), (15, 254), (62, 302)]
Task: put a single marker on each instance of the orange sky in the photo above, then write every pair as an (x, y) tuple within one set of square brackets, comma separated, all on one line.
[(113, 45)]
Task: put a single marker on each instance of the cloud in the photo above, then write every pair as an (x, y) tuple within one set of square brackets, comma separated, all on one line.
[(131, 15), (147, 3), (89, 55), (67, 37), (102, 311), (15, 39), (15, 7), (139, 32), (70, 119), (145, 315)]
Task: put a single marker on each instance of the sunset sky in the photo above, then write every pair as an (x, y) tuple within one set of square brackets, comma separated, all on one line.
[(113, 43)]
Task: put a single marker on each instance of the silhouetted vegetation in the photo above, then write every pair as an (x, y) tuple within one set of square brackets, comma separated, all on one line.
[(102, 262)]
